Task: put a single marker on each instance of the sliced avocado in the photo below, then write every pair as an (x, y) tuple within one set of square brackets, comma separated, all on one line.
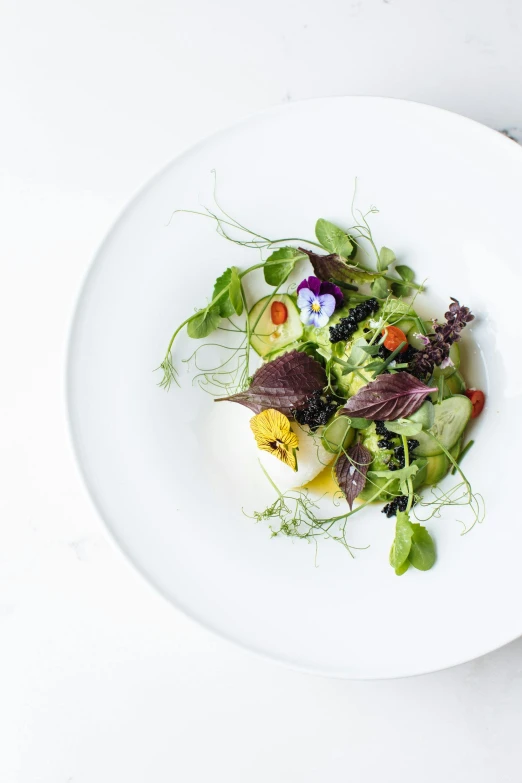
[(436, 468), (268, 336)]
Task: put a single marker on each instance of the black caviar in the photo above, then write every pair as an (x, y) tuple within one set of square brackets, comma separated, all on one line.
[(403, 358), (349, 325), (380, 429), (317, 410), (397, 504)]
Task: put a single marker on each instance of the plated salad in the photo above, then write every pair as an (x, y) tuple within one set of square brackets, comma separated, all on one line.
[(353, 394)]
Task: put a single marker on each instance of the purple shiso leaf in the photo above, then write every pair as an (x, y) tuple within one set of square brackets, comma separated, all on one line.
[(334, 266), (351, 470), (283, 384), (387, 398)]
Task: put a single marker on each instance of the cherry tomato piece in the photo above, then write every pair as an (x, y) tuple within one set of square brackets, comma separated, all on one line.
[(394, 337), (278, 313), (478, 399)]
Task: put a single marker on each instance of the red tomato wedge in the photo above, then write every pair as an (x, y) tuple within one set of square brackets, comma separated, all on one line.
[(394, 337), (478, 399), (278, 313)]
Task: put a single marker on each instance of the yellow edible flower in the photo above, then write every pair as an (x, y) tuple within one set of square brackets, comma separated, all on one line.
[(273, 434)]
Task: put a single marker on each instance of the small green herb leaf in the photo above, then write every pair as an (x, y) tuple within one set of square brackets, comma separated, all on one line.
[(404, 427), (204, 323), (280, 264), (422, 553), (380, 288), (373, 350), (402, 543), (360, 424), (386, 257), (400, 289), (401, 475), (405, 272), (334, 239), (403, 568), (224, 305), (235, 292)]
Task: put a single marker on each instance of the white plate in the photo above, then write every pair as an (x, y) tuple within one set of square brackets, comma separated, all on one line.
[(167, 471)]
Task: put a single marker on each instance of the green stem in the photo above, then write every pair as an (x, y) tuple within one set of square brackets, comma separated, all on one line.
[(270, 480), (407, 465), (359, 508), (390, 358), (462, 455)]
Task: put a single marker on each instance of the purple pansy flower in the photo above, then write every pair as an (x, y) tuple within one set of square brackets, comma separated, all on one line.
[(316, 308), (322, 287)]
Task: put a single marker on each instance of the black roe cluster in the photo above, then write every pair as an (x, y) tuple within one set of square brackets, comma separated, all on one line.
[(406, 357), (317, 410), (397, 504), (349, 325)]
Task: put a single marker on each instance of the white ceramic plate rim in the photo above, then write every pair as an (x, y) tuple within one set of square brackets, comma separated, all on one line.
[(119, 544)]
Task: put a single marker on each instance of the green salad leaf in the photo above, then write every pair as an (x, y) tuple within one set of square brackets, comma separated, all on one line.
[(379, 288), (405, 272), (412, 544), (400, 289), (204, 323), (224, 305), (236, 297), (334, 239), (386, 257), (422, 553), (404, 427), (402, 543), (280, 264)]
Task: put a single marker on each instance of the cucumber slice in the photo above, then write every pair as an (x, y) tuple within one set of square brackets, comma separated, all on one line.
[(425, 415), (267, 336), (405, 325), (337, 434), (451, 417), (456, 383)]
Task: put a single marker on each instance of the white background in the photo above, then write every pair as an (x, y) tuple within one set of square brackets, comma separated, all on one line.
[(100, 680)]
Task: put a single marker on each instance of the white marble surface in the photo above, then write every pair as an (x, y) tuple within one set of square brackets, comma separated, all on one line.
[(100, 681)]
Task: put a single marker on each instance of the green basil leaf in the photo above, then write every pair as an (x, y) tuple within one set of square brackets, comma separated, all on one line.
[(334, 239), (280, 264), (422, 553), (386, 257), (403, 568), (235, 292), (399, 289), (380, 288), (403, 537), (405, 272), (204, 323), (224, 305)]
